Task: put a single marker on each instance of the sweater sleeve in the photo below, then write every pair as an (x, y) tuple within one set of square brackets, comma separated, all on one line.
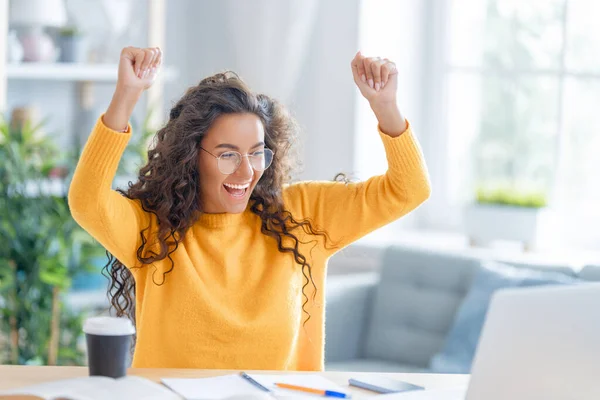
[(112, 219), (349, 211)]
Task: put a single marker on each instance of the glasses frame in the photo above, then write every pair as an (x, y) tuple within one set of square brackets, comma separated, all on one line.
[(241, 156)]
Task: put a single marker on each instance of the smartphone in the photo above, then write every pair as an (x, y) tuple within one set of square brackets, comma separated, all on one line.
[(382, 384)]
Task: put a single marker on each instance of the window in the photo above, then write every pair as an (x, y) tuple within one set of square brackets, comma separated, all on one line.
[(500, 92), (525, 77)]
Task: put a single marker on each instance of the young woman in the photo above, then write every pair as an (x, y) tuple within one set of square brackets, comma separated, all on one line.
[(218, 258)]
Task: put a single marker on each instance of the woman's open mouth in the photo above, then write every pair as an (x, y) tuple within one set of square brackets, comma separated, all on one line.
[(236, 191)]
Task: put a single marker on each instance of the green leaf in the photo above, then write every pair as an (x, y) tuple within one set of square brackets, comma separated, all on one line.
[(511, 197)]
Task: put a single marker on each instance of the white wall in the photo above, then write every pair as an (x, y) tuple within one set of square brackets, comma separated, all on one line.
[(323, 103), (197, 42)]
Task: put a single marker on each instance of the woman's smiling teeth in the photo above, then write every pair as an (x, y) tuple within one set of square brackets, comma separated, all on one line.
[(244, 186), (236, 191)]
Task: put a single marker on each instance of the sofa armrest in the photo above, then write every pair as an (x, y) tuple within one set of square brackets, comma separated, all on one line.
[(348, 307)]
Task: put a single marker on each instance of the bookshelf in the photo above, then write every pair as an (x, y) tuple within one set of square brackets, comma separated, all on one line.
[(86, 75)]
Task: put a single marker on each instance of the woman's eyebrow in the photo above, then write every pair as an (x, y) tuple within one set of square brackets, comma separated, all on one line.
[(226, 146), (234, 147)]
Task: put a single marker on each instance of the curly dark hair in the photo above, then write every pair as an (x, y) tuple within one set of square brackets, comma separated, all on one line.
[(168, 185)]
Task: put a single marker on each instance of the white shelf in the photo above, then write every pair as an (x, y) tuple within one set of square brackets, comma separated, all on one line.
[(56, 187), (72, 72)]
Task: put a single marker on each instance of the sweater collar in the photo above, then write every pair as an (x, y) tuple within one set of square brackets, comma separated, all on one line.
[(221, 220)]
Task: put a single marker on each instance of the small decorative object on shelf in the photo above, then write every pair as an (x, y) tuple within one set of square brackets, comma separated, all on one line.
[(21, 117), (32, 16), (73, 45), (14, 49)]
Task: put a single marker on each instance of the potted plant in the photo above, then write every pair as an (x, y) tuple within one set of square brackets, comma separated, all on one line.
[(505, 213), (72, 44), (41, 250)]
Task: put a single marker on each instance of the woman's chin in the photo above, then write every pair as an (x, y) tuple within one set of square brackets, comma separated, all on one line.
[(236, 207)]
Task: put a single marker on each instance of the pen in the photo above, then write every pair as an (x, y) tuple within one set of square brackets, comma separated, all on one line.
[(254, 382), (328, 393)]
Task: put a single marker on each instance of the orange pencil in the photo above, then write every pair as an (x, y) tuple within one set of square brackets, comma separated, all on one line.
[(328, 393)]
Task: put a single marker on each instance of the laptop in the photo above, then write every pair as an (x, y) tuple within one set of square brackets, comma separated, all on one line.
[(537, 343)]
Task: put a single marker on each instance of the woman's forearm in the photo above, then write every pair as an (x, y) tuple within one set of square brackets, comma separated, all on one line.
[(391, 121), (121, 107)]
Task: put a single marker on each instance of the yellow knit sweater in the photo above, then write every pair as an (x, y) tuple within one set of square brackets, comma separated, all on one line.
[(232, 300)]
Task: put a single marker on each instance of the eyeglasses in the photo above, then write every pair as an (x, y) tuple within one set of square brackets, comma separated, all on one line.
[(230, 161)]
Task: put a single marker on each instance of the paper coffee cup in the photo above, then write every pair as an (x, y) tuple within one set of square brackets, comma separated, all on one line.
[(108, 344)]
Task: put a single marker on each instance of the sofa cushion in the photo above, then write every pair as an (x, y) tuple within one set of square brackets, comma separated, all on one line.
[(371, 365), (348, 306), (590, 273), (460, 345), (414, 304)]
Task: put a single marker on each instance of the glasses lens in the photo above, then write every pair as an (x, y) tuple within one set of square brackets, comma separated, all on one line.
[(229, 162), (262, 159)]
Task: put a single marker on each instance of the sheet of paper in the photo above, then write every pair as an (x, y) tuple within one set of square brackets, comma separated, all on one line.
[(215, 388), (222, 387)]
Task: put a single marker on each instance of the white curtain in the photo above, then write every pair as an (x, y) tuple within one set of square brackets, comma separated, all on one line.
[(271, 39)]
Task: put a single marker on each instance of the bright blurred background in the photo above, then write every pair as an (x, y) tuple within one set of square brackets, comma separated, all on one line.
[(502, 94)]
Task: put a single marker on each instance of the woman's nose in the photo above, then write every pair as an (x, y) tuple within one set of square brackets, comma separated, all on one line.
[(245, 170)]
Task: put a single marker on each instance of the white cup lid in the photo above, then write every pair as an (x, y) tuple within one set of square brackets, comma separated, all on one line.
[(108, 326)]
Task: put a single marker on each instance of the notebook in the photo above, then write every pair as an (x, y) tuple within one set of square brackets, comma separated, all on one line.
[(97, 388), (222, 387)]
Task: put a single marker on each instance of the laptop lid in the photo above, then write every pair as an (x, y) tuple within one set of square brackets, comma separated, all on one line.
[(540, 343)]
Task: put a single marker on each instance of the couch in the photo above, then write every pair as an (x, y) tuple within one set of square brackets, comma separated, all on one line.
[(395, 319)]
